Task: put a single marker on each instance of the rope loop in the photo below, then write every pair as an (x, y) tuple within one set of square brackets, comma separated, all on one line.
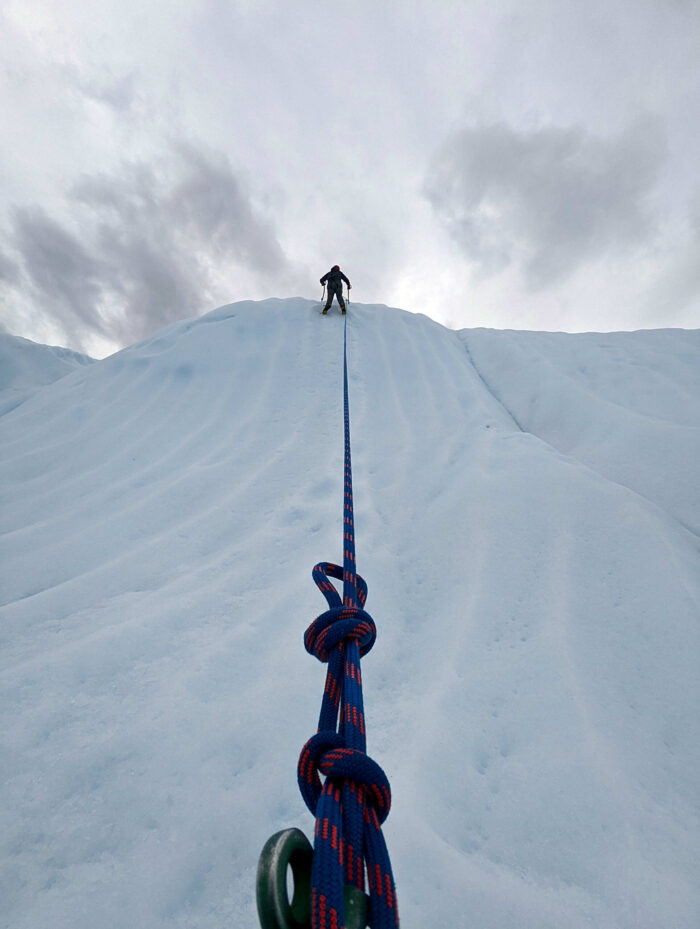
[(326, 569), (307, 770)]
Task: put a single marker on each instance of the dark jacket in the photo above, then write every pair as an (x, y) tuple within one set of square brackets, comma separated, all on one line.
[(334, 278)]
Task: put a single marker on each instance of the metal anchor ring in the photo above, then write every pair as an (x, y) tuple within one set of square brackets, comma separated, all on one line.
[(291, 849)]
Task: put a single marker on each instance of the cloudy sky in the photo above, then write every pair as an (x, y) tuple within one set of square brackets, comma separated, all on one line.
[(526, 164)]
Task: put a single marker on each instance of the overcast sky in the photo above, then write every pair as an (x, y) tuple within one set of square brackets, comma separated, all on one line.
[(526, 164)]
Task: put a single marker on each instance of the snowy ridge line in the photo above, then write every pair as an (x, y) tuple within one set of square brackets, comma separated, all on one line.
[(489, 387), (26, 367)]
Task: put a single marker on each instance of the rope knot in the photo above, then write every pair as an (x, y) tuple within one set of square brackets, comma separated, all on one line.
[(337, 625), (326, 753)]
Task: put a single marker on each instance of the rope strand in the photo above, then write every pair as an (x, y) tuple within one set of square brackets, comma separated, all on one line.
[(353, 802)]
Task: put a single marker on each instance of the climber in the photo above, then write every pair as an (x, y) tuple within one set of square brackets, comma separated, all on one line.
[(335, 278)]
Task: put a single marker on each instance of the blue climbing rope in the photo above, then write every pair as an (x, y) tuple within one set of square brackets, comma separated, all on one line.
[(353, 802)]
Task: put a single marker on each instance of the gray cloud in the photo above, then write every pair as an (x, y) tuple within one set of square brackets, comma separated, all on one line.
[(674, 294), (548, 199), (9, 271), (152, 242), (57, 266), (210, 200), (117, 91)]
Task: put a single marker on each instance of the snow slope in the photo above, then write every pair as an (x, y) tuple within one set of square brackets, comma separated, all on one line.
[(26, 366), (533, 570), (630, 400)]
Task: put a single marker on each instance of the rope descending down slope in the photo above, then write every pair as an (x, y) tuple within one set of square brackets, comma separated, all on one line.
[(353, 802)]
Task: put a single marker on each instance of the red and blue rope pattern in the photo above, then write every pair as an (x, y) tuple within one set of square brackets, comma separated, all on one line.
[(354, 801)]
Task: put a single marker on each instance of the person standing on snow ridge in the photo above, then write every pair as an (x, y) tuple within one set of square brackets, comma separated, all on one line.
[(335, 278)]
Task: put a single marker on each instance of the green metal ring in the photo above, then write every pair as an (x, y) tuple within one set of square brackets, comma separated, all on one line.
[(289, 848)]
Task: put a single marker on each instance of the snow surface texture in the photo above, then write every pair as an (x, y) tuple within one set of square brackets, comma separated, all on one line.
[(527, 511)]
